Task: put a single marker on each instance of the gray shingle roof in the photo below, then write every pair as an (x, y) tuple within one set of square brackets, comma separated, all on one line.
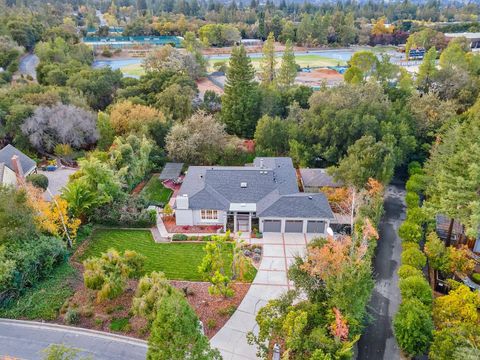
[(271, 183), (301, 205), (171, 171), (318, 178), (215, 187), (6, 154)]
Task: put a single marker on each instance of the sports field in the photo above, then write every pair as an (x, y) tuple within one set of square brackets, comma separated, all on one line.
[(303, 60)]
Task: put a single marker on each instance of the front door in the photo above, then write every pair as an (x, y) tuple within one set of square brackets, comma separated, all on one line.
[(243, 222)]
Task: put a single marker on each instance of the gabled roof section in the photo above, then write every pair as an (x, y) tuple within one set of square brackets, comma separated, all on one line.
[(6, 154), (318, 178), (300, 205), (215, 187)]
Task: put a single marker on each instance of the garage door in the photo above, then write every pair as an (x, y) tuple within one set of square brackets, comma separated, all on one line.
[(272, 226), (294, 226), (317, 227)]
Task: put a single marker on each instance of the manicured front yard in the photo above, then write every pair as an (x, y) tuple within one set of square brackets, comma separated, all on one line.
[(155, 192), (179, 261)]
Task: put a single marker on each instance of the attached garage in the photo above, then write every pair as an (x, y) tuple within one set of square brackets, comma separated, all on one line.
[(294, 226), (272, 226), (315, 227)]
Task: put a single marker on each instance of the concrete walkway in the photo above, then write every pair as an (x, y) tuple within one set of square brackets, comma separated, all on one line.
[(27, 339), (271, 281)]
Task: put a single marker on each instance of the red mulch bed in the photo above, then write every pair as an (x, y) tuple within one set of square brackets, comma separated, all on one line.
[(213, 311), (137, 189), (172, 227)]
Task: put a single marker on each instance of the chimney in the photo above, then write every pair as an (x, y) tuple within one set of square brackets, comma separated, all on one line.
[(17, 167), (182, 202), (261, 164)]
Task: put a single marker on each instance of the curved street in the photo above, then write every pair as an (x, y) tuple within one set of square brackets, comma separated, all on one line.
[(26, 340), (378, 341)]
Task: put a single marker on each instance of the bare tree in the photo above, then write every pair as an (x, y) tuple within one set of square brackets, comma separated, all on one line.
[(60, 124)]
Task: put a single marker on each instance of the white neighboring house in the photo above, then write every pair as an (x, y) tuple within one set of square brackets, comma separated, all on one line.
[(14, 164), (263, 197)]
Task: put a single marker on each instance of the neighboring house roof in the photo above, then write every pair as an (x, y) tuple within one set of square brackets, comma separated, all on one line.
[(443, 224), (301, 205), (6, 154), (318, 178), (270, 186), (171, 171)]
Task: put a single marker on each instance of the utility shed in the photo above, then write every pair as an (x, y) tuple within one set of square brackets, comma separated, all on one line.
[(171, 171)]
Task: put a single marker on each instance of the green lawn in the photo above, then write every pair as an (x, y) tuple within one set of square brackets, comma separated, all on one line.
[(155, 192), (179, 261), (44, 300)]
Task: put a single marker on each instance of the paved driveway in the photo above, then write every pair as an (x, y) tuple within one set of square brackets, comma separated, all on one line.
[(27, 339), (56, 180), (270, 282)]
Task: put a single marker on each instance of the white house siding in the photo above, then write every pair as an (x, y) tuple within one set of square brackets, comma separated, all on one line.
[(9, 177), (193, 217), (283, 221)]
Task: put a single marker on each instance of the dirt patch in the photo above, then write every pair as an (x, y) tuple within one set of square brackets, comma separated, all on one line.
[(213, 311), (115, 316), (317, 76), (205, 84)]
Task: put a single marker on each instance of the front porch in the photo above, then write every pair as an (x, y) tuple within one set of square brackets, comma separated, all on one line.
[(242, 222)]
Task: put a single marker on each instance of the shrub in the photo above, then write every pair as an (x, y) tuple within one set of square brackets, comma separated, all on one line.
[(129, 212), (151, 288), (410, 231), (211, 324), (406, 271), (120, 324), (38, 180), (476, 277), (179, 237), (413, 327), (229, 310), (414, 168), (72, 317), (416, 287), (417, 183), (412, 199), (413, 257), (416, 215)]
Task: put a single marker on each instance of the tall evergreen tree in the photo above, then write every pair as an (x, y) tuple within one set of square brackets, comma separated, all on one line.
[(288, 68), (269, 63), (240, 101), (427, 70)]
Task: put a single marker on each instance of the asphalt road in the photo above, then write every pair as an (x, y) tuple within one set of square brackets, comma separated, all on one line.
[(378, 341), (27, 339), (28, 65)]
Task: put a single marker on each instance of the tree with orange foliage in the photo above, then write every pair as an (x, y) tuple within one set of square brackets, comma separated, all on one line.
[(339, 328), (52, 217)]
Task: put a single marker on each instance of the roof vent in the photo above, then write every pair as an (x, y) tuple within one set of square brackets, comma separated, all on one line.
[(310, 198), (243, 184)]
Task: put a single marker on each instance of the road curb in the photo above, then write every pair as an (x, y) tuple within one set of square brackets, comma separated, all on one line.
[(76, 330)]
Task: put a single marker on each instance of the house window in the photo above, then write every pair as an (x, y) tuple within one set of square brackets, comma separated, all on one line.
[(209, 214)]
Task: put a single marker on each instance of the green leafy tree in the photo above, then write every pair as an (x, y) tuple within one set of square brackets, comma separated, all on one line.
[(81, 200), (353, 75), (288, 67), (213, 267), (271, 136), (410, 231), (416, 287), (240, 101), (366, 159), (105, 131), (365, 61), (268, 63), (413, 327), (413, 256), (151, 288), (175, 333)]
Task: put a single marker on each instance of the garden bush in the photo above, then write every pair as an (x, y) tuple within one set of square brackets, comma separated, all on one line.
[(417, 183), (413, 256), (38, 180), (416, 215), (72, 317), (120, 324), (413, 327), (406, 271), (412, 199), (410, 231), (475, 277), (416, 287), (414, 168), (179, 237), (128, 212)]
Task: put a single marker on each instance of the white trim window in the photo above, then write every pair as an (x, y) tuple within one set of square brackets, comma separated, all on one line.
[(209, 215)]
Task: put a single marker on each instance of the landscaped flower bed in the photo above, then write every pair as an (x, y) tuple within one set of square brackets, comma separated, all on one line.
[(172, 227)]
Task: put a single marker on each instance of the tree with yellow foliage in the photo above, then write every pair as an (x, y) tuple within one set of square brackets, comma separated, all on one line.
[(380, 28), (127, 117), (52, 217)]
